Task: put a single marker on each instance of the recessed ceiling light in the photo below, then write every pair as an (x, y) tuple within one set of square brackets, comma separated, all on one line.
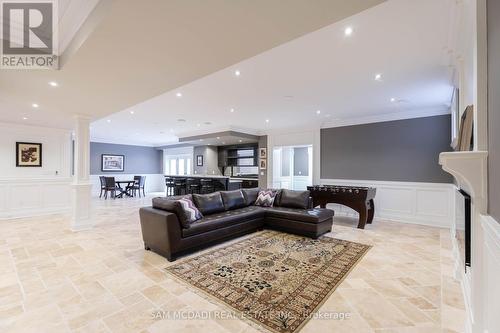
[(201, 139), (267, 120), (35, 105), (231, 110), (378, 77), (393, 99), (348, 31), (109, 120), (53, 83), (198, 125), (178, 94), (132, 112), (237, 72), (318, 111), (25, 118), (240, 140), (218, 138)]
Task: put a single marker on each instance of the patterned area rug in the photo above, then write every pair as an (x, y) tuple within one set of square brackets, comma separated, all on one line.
[(275, 279)]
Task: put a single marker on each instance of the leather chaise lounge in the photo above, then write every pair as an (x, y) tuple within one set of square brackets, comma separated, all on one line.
[(229, 214)]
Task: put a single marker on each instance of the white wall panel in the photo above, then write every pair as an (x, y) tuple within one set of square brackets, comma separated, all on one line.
[(35, 190), (32, 197), (420, 203)]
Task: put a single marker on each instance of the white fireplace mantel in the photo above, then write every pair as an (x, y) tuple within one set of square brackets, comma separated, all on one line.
[(470, 170)]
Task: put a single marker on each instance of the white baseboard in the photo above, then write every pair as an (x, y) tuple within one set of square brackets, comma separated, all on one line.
[(154, 182), (34, 197), (431, 204)]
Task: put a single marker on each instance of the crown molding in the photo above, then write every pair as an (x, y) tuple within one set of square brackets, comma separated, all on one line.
[(412, 114)]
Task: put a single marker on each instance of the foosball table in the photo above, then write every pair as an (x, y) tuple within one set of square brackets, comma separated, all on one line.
[(358, 198)]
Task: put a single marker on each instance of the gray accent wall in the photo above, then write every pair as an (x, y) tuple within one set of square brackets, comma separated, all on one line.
[(210, 160), (494, 109), (402, 150), (138, 159)]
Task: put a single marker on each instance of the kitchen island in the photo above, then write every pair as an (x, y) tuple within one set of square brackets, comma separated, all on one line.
[(222, 183)]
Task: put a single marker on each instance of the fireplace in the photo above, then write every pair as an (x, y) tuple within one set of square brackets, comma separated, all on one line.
[(464, 219)]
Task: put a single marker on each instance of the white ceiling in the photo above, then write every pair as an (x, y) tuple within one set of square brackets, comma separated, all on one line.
[(128, 51), (404, 40)]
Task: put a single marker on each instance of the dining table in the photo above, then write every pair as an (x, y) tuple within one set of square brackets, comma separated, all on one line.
[(124, 190)]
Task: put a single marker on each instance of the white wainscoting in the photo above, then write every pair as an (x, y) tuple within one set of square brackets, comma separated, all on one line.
[(490, 274), (32, 197), (430, 204), (154, 182)]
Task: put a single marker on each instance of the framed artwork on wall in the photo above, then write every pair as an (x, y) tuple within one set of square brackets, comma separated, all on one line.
[(28, 154), (263, 164), (199, 160), (263, 152), (111, 162)]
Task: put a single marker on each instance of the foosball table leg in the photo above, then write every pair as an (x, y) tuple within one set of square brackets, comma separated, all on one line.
[(363, 217), (371, 212)]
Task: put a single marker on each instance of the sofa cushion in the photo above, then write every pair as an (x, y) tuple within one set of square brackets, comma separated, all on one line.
[(209, 203), (265, 198), (183, 207), (294, 199), (315, 215), (233, 199), (250, 195), (224, 219)]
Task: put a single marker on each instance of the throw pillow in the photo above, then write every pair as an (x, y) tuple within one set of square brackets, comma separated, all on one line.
[(265, 198), (250, 195), (185, 214), (294, 199), (190, 211)]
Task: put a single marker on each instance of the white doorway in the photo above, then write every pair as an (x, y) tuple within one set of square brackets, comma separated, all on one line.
[(292, 167)]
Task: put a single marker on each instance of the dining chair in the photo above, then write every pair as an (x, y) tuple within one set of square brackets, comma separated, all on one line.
[(132, 188), (110, 186), (139, 184), (103, 185)]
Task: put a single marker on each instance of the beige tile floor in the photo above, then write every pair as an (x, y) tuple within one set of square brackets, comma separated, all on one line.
[(55, 280)]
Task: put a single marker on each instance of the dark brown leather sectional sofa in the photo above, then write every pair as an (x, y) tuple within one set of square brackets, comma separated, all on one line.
[(228, 214)]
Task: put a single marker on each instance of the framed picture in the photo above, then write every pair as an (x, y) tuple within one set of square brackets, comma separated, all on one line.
[(465, 135), (199, 160), (112, 162), (28, 154), (263, 164), (263, 152)]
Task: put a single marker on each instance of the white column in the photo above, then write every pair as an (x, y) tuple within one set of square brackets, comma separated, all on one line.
[(81, 187)]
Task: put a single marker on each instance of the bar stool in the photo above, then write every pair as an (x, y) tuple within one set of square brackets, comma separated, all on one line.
[(207, 186), (180, 186), (192, 185), (170, 186)]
